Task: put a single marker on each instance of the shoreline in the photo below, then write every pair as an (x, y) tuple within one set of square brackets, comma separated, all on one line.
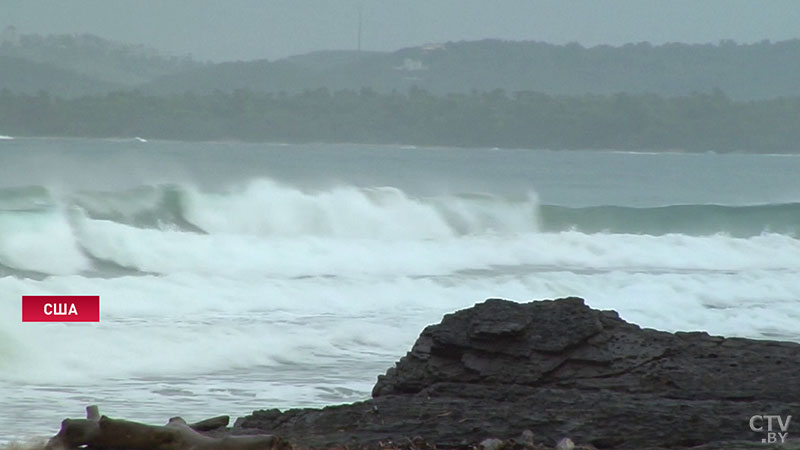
[(400, 146)]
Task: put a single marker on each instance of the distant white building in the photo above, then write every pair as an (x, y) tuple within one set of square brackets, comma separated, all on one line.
[(411, 65), (9, 36), (432, 47)]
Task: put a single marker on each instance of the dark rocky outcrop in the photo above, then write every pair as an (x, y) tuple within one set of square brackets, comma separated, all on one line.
[(559, 368)]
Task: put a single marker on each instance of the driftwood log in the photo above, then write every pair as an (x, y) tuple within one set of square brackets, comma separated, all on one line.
[(98, 432)]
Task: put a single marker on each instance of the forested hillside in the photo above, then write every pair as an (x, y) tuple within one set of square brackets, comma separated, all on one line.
[(24, 76), (741, 71), (724, 97), (698, 122), (63, 64)]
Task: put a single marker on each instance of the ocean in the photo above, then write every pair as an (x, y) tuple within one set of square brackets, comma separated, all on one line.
[(235, 276)]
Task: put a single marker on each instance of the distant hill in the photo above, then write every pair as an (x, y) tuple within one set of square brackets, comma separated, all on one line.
[(334, 70), (327, 59), (69, 65), (24, 76), (64, 59), (741, 71), (262, 75)]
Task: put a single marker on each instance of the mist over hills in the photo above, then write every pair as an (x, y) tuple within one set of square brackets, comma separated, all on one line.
[(71, 65), (74, 65), (741, 71), (491, 93), (25, 76)]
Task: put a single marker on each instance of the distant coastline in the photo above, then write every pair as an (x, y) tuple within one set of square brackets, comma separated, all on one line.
[(233, 141), (725, 97), (72, 66), (622, 122)]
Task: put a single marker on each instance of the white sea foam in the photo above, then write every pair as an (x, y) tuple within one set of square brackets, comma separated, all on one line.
[(157, 326), (268, 230), (245, 256), (266, 208), (288, 297), (39, 242)]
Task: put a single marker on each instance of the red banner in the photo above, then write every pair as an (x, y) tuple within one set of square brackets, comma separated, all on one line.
[(61, 308)]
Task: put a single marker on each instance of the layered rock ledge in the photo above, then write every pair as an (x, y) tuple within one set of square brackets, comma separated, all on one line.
[(558, 368)]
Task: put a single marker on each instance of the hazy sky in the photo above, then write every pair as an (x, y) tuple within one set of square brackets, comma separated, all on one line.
[(251, 29)]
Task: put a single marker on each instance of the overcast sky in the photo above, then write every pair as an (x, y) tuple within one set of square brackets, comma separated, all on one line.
[(251, 29)]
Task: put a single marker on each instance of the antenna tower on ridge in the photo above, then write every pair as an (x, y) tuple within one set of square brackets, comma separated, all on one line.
[(360, 9)]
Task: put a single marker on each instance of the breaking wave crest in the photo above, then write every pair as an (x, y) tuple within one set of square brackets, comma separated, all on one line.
[(282, 230)]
